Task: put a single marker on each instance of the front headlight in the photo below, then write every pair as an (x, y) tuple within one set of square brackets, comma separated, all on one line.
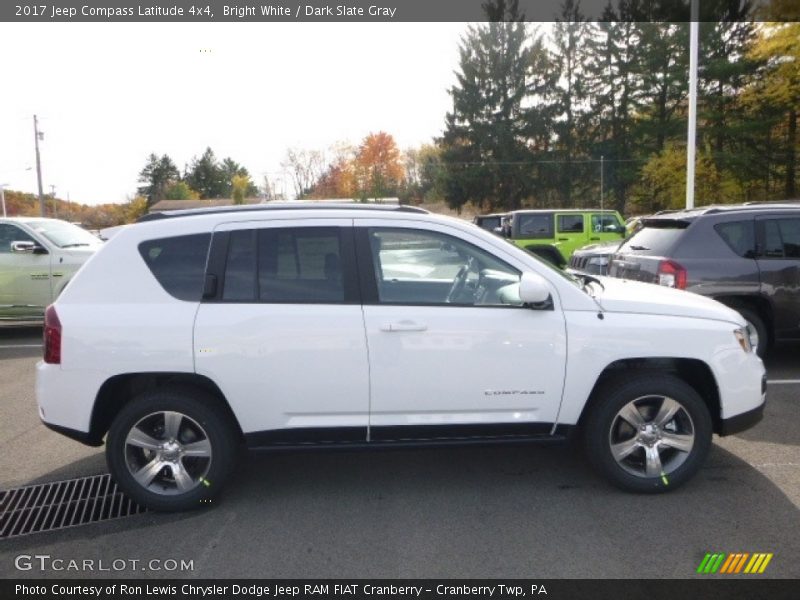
[(743, 337)]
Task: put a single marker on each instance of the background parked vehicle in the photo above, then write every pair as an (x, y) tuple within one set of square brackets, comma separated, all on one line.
[(38, 257), (594, 258), (555, 234), (745, 256), (491, 222)]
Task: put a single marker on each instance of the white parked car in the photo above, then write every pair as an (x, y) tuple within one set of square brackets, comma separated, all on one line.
[(38, 257), (271, 327)]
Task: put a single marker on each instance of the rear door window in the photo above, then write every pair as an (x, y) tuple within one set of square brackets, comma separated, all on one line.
[(570, 223), (178, 263), (292, 265), (781, 238)]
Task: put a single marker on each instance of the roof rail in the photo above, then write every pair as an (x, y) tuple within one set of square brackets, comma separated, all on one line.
[(299, 205)]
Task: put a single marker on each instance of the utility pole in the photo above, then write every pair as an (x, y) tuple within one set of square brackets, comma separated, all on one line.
[(38, 135), (601, 182), (3, 196), (691, 138)]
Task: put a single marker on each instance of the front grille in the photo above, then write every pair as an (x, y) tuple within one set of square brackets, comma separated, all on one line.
[(62, 504)]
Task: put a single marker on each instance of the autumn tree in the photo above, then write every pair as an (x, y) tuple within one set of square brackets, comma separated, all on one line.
[(776, 88), (377, 166)]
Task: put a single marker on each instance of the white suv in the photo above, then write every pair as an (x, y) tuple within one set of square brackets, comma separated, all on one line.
[(281, 326)]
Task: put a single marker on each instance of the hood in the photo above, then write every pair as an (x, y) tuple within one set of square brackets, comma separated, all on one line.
[(622, 295)]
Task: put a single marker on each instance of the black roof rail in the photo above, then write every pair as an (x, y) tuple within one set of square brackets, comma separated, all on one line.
[(213, 210)]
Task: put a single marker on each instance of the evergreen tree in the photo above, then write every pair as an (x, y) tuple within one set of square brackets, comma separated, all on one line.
[(484, 144), (155, 177)]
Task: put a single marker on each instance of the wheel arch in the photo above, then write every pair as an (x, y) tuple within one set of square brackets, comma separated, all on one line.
[(694, 372), (118, 390)]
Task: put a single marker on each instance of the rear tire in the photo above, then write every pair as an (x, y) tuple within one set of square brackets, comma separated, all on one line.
[(172, 449), (647, 434)]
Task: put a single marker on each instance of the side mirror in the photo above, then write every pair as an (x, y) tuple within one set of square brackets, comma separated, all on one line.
[(533, 289), (23, 247)]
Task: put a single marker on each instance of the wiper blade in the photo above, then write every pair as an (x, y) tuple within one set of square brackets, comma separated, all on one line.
[(638, 248), (74, 245), (590, 279)]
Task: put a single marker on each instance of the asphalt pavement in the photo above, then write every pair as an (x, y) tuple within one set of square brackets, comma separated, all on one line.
[(529, 512)]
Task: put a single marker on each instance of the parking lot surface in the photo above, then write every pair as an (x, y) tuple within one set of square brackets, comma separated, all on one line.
[(457, 512)]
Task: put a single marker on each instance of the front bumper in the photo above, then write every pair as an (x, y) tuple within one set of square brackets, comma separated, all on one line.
[(747, 419)]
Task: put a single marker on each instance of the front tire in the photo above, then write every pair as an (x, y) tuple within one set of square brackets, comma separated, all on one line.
[(647, 434), (171, 449)]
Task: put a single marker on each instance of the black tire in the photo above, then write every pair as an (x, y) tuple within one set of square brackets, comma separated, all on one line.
[(755, 321), (202, 419), (603, 422)]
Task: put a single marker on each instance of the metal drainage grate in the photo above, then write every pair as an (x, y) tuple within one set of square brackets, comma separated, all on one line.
[(61, 504)]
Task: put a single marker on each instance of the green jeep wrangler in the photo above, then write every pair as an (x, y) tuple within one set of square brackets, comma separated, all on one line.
[(555, 234)]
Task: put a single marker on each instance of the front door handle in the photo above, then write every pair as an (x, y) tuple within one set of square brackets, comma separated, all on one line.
[(594, 239), (404, 325)]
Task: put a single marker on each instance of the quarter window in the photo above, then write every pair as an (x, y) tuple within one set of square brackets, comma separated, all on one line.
[(739, 237), (178, 263), (427, 267), (535, 226)]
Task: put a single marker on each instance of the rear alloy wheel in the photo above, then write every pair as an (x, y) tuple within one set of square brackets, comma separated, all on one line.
[(168, 450), (649, 434)]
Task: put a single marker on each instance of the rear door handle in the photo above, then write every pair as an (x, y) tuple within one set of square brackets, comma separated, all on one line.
[(562, 239), (403, 325)]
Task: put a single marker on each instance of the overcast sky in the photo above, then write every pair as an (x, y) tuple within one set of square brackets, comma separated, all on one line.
[(109, 94)]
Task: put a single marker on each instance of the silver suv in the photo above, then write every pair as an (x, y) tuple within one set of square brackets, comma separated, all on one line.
[(38, 257)]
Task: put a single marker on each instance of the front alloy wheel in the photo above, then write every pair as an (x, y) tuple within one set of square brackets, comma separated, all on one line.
[(647, 433), (651, 436)]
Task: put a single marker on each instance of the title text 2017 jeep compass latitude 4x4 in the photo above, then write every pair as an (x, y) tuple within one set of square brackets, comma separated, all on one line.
[(295, 326)]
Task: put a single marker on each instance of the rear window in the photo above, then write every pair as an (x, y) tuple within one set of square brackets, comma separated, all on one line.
[(178, 263), (656, 241)]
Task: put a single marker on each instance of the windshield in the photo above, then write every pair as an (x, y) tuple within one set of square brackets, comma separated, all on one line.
[(63, 234)]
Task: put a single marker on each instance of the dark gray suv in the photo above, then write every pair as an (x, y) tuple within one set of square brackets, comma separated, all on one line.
[(745, 256)]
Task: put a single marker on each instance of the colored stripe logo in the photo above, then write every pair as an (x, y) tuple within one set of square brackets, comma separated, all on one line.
[(734, 563)]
